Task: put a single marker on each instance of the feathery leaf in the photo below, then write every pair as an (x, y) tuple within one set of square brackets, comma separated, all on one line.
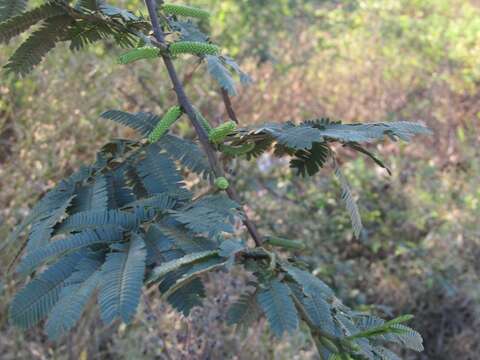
[(142, 122), (244, 311), (33, 50), (74, 242), (350, 202), (32, 303), (122, 281), (278, 306), (13, 26), (176, 264), (10, 8), (73, 299), (220, 73)]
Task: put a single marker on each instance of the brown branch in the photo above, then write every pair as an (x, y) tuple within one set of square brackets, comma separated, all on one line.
[(187, 107), (228, 105)]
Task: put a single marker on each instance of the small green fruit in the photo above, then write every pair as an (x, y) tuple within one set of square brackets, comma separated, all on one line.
[(218, 134), (193, 47), (164, 124), (145, 52), (184, 10), (221, 183), (204, 122)]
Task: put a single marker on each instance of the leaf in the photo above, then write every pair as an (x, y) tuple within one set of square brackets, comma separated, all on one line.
[(32, 303), (99, 218), (350, 202), (11, 26), (309, 162), (122, 281), (187, 241), (244, 311), (278, 306), (69, 244), (158, 245), (364, 151), (310, 283), (407, 336), (175, 264), (33, 50), (50, 205), (113, 11), (221, 74), (93, 196), (230, 247), (317, 308), (188, 154), (157, 172), (385, 354), (369, 132), (73, 299), (89, 4), (185, 298), (84, 33), (299, 137), (245, 79), (142, 122), (211, 214), (189, 31), (160, 201), (196, 269), (42, 230), (10, 8)]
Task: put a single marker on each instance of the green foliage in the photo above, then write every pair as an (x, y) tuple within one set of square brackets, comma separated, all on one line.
[(175, 264), (73, 299), (218, 70), (276, 302), (350, 202), (211, 214), (129, 219), (145, 52), (193, 47), (59, 22), (188, 31), (142, 122), (184, 10), (14, 26), (72, 243), (185, 298), (187, 153), (36, 299), (244, 311), (122, 280), (164, 124), (10, 8), (33, 50), (308, 143), (106, 214)]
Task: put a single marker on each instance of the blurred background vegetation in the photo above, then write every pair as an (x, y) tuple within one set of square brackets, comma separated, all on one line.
[(354, 60)]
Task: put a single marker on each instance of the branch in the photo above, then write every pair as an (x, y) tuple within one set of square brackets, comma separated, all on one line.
[(187, 107), (228, 105)]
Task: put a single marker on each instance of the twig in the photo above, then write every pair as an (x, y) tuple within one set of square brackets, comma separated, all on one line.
[(186, 105), (189, 76), (228, 105)]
